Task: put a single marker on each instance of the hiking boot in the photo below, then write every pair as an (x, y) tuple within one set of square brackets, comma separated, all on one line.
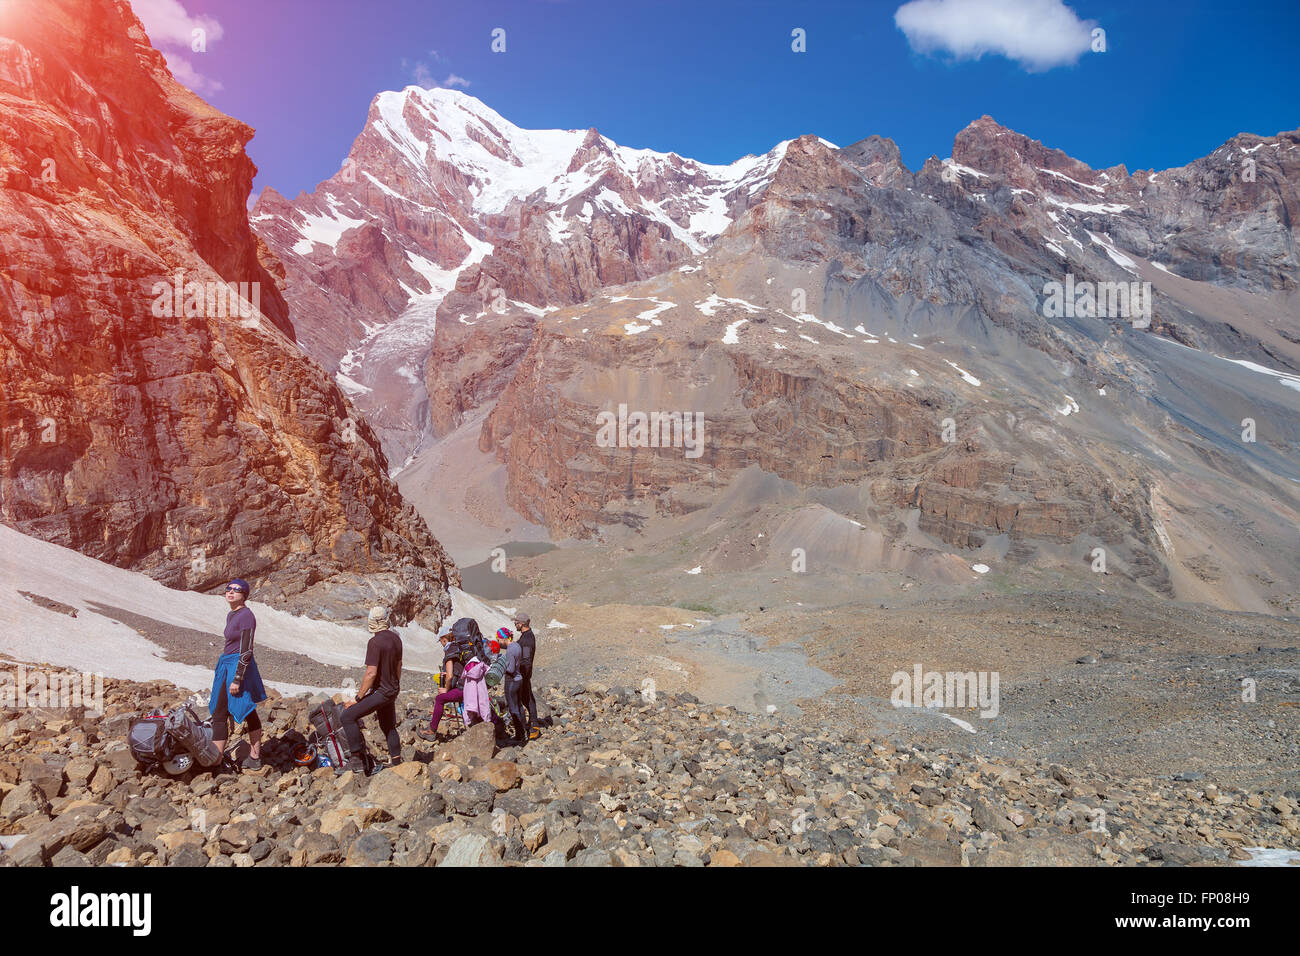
[(356, 765), (534, 733), (251, 763), (424, 733)]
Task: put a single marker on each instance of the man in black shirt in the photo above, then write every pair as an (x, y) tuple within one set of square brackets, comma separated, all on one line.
[(378, 693), (528, 646)]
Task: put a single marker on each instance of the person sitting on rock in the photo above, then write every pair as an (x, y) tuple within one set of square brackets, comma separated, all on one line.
[(237, 684), (452, 691), (378, 692)]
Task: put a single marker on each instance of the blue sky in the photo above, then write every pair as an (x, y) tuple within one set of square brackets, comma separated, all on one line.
[(717, 80)]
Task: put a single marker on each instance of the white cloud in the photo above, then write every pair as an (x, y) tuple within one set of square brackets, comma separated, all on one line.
[(172, 31), (1037, 34), (421, 75), (424, 77)]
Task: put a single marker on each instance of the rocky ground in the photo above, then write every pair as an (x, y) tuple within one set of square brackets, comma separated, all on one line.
[(1086, 679), (615, 779)]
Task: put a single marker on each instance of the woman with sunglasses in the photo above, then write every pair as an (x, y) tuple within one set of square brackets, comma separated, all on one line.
[(237, 686)]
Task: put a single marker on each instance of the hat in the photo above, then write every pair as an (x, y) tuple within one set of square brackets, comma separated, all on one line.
[(521, 618), (505, 634), (241, 584), (378, 620)]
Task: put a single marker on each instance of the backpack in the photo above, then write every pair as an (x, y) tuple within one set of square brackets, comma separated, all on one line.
[(330, 743), (527, 648), (458, 668), (465, 635), (173, 742), (327, 729), (149, 741)]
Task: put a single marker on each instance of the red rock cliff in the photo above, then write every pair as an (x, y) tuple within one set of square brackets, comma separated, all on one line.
[(183, 442)]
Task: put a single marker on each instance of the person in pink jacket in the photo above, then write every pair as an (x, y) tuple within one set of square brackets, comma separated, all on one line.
[(477, 705)]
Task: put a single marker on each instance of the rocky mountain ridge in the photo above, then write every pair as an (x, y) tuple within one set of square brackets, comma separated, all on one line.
[(850, 272), (956, 258), (442, 204)]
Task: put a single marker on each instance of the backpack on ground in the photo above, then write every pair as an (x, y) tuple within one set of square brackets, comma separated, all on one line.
[(148, 740), (329, 740), (173, 742)]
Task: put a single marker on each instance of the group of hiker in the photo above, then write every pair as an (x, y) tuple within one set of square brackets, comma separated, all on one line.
[(469, 665), (467, 669)]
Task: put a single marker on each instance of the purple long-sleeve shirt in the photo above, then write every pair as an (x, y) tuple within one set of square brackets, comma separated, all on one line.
[(240, 628)]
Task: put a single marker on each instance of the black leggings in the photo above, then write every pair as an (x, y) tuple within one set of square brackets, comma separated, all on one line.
[(383, 708), (221, 718), (526, 697), (514, 688)]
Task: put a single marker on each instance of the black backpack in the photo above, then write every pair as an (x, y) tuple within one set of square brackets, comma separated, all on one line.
[(458, 656), (468, 640)]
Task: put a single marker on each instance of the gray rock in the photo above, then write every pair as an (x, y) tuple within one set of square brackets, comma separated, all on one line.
[(1178, 854), (472, 797), (370, 849), (515, 801), (238, 837), (566, 845), (516, 851), (413, 849), (431, 803), (471, 849), (320, 848), (25, 799), (189, 856), (81, 829)]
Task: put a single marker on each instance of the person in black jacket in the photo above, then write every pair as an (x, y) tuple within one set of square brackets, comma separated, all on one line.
[(378, 692), (528, 649)]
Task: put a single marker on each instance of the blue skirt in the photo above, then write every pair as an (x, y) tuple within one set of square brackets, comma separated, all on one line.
[(251, 693)]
